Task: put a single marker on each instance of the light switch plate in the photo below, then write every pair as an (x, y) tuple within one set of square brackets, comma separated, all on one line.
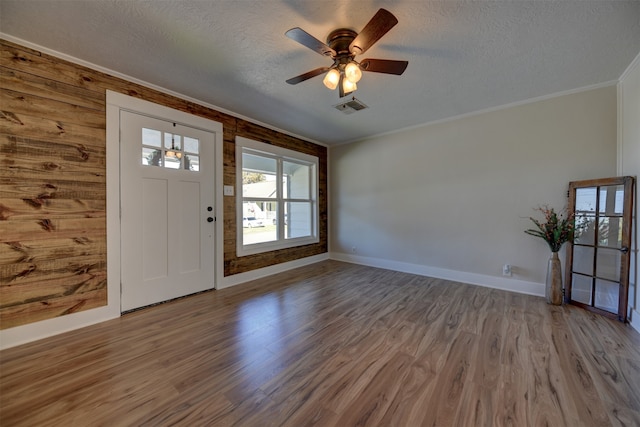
[(228, 190)]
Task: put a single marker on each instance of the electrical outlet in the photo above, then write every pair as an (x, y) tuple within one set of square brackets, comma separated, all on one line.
[(506, 270)]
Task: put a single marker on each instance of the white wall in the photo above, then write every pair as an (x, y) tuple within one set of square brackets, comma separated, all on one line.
[(629, 163), (454, 198)]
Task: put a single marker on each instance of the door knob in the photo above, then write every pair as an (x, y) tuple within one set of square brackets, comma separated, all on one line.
[(209, 219), (624, 249)]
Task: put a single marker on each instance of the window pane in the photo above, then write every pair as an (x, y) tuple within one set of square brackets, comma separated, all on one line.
[(271, 212), (608, 264), (296, 184), (151, 157), (583, 259), (610, 232), (256, 163), (256, 226), (581, 289), (607, 295), (172, 141), (258, 176), (611, 199), (258, 185), (171, 162), (285, 187), (586, 234), (191, 145), (298, 219), (192, 162), (151, 137), (586, 199)]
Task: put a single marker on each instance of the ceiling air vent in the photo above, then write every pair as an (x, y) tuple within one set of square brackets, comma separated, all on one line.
[(351, 106)]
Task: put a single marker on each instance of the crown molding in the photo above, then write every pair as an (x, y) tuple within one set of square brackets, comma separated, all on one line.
[(148, 85)]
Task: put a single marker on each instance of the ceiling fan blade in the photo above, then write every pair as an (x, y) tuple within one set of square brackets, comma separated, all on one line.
[(386, 66), (306, 39), (307, 75), (379, 25)]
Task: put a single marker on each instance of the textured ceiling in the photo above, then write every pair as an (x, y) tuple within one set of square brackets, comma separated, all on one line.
[(463, 56)]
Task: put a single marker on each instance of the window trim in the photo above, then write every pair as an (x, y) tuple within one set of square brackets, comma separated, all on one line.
[(280, 154)]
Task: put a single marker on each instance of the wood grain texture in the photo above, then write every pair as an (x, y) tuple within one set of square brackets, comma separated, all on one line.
[(31, 84), (53, 183), (333, 344)]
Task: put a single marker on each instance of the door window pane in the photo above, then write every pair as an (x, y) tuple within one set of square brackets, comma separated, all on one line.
[(151, 137), (166, 149), (191, 145), (151, 147), (172, 141), (170, 161), (192, 162), (151, 156)]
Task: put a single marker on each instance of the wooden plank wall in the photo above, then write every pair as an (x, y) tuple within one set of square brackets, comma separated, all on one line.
[(53, 184)]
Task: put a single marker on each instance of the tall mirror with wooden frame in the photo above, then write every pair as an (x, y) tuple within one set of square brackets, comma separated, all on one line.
[(597, 273)]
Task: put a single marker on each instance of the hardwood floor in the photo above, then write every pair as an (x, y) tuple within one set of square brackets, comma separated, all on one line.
[(333, 344)]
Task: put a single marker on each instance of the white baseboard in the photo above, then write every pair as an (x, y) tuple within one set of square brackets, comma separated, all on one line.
[(47, 328), (513, 285), (239, 278)]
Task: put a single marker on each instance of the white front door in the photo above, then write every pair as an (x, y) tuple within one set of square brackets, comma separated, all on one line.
[(167, 212)]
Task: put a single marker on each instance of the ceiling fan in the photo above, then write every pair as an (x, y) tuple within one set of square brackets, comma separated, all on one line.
[(342, 46)]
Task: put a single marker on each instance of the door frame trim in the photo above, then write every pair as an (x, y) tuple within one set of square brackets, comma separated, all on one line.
[(115, 103)]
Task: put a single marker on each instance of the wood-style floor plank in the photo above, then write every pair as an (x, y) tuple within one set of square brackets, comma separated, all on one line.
[(333, 344)]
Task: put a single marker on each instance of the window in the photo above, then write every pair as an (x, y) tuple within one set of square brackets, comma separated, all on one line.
[(598, 258), (277, 197), (177, 152)]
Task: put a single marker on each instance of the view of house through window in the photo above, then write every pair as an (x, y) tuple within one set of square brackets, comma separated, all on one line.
[(278, 198)]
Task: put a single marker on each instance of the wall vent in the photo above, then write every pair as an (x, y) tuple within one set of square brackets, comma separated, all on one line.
[(351, 106)]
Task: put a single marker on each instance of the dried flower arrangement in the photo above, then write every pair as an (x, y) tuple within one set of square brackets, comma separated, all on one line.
[(556, 229)]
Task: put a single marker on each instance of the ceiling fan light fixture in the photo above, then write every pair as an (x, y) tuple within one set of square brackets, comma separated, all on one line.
[(352, 72), (342, 46), (332, 79), (348, 86)]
